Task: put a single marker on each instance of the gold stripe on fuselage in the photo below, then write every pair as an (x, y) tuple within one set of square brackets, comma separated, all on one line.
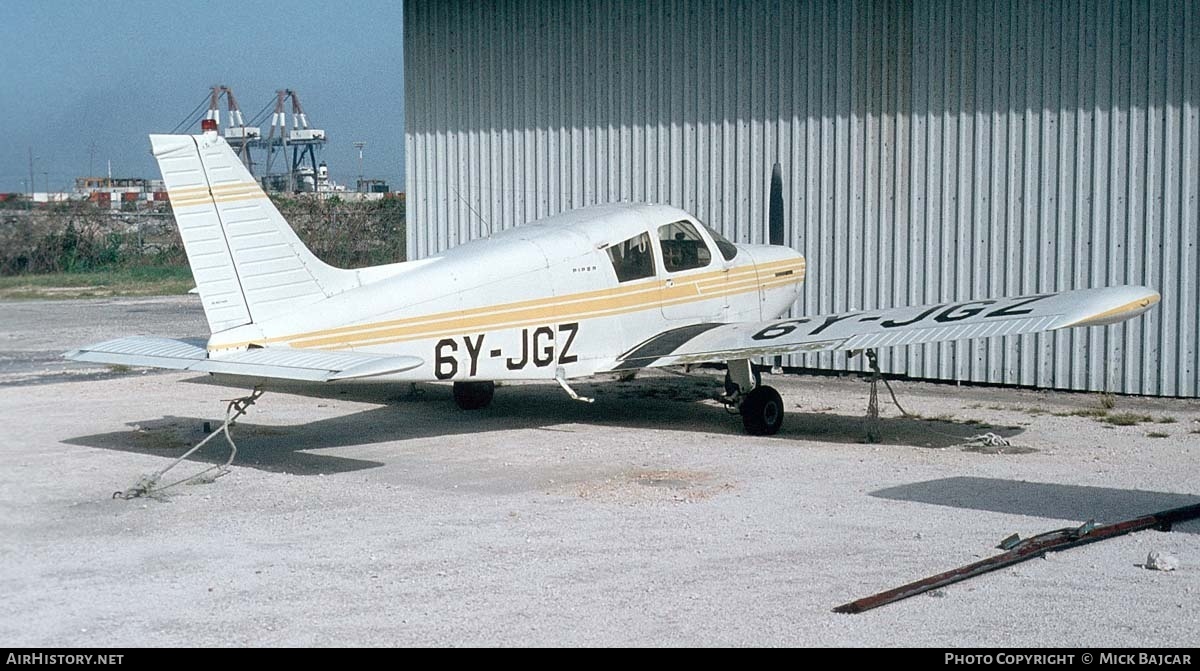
[(540, 308), (399, 335), (584, 305)]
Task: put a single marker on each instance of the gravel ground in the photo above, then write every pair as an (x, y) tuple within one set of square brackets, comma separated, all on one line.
[(34, 334), (387, 517)]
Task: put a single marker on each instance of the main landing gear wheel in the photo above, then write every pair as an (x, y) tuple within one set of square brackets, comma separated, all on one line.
[(762, 412), (474, 395)]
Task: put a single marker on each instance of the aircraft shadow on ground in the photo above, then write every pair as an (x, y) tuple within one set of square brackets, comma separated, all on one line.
[(655, 403), (1039, 499)]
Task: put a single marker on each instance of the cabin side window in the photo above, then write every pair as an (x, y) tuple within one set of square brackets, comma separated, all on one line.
[(632, 259), (682, 247)]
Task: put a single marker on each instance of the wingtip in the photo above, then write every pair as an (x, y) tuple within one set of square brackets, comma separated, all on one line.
[(377, 368), (1125, 303)]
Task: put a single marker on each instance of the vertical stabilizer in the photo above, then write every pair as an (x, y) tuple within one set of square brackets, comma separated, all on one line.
[(248, 264)]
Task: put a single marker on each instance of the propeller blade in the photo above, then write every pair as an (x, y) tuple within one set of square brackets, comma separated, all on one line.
[(775, 208), (775, 230)]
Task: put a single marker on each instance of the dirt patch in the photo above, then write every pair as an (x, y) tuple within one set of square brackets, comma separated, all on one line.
[(653, 486), (174, 434), (159, 436)]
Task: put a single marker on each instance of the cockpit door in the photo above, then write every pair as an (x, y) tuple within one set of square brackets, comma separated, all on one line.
[(693, 280)]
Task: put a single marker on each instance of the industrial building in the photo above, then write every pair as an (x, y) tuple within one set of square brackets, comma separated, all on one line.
[(931, 151)]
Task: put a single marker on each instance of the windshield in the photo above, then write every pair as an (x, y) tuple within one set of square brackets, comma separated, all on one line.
[(728, 249)]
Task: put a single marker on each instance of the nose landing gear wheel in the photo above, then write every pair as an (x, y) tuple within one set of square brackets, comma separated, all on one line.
[(762, 412), (474, 395)]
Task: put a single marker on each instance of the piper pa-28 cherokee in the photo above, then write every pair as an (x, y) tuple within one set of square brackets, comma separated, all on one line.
[(602, 289)]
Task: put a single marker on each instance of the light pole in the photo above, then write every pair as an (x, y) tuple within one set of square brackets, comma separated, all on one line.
[(359, 146)]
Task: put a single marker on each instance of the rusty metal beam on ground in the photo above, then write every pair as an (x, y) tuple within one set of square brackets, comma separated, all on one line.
[(1021, 550)]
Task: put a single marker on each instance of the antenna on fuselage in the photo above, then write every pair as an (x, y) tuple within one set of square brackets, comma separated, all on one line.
[(473, 211)]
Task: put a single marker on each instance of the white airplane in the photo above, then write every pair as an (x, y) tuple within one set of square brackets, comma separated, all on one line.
[(602, 289)]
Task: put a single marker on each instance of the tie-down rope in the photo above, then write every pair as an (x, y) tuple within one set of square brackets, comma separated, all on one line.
[(988, 439), (147, 484)]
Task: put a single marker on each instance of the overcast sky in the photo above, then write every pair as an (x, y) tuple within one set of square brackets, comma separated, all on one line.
[(78, 74)]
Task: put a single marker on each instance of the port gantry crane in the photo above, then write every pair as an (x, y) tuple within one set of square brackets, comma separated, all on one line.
[(303, 140), (239, 136)]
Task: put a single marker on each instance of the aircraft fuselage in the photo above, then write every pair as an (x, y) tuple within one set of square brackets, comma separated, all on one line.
[(573, 291)]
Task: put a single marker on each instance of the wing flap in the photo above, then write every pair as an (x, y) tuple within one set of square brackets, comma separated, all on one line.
[(891, 327), (273, 362)]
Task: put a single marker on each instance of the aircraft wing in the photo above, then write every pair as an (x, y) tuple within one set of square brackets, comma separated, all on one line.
[(270, 362), (890, 327)]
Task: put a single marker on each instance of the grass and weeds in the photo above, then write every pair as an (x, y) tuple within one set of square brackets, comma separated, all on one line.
[(79, 250), (130, 281), (1127, 419), (1104, 416), (1083, 412)]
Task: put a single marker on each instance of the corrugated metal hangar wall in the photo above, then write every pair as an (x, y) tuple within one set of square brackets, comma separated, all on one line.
[(932, 151)]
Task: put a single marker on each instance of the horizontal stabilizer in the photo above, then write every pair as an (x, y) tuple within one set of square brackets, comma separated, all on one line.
[(270, 362)]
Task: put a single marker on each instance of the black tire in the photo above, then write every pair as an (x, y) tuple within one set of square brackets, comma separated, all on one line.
[(756, 372), (762, 412), (474, 395)]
